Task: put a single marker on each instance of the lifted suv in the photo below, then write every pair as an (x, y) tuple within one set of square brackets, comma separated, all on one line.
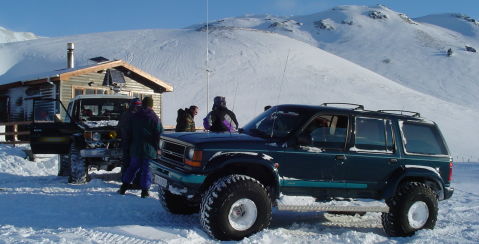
[(86, 137), (326, 152)]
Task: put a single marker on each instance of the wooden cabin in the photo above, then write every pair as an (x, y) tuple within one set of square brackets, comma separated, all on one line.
[(106, 77)]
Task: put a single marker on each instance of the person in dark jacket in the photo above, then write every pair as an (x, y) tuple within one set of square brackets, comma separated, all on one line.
[(220, 119), (122, 129), (186, 119), (145, 130)]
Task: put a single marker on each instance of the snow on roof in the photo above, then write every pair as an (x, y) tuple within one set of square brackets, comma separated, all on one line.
[(51, 74), (65, 74)]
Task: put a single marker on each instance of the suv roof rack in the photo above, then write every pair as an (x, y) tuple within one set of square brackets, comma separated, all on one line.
[(402, 112), (356, 106)]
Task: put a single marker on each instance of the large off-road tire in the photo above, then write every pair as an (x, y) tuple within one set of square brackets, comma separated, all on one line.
[(79, 169), (234, 207), (177, 204), (414, 207), (64, 163)]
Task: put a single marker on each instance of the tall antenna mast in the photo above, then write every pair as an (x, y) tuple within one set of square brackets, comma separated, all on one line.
[(282, 78), (207, 58)]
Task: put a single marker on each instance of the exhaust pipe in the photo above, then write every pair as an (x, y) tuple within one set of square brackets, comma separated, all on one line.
[(70, 57)]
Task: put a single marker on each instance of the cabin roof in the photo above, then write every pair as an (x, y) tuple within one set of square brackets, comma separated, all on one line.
[(66, 74)]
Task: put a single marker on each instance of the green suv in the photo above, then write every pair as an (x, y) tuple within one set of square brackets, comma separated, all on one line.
[(234, 179)]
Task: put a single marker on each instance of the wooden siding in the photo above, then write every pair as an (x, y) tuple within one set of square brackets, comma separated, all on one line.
[(131, 86)]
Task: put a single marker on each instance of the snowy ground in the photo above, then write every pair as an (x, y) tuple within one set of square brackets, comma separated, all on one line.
[(36, 206)]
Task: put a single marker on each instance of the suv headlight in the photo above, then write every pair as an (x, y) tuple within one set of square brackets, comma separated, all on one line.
[(112, 134), (161, 144), (193, 157), (96, 136), (190, 153)]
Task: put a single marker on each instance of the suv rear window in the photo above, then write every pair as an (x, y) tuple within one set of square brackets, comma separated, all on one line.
[(421, 138)]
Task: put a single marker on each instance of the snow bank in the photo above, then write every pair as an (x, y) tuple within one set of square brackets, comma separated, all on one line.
[(13, 160), (36, 206)]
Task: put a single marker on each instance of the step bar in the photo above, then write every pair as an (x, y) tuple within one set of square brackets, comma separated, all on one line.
[(332, 208)]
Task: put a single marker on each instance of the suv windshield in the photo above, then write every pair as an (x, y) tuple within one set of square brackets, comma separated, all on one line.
[(277, 122), (102, 109)]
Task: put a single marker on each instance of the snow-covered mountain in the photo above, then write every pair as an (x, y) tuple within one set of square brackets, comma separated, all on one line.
[(253, 66), (411, 52), (10, 36)]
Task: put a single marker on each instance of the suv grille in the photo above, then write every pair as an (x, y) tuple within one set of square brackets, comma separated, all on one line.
[(173, 151)]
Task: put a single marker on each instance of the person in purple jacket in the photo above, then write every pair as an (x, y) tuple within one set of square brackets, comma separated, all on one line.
[(144, 133), (220, 119)]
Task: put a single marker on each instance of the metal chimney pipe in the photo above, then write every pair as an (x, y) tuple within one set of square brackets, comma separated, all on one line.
[(70, 57)]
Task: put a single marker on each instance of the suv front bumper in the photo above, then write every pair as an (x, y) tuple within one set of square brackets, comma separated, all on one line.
[(101, 153), (178, 183)]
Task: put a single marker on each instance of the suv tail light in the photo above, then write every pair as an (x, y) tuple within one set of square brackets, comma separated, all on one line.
[(449, 177)]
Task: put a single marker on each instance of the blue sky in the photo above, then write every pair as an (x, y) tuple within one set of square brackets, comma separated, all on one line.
[(68, 17)]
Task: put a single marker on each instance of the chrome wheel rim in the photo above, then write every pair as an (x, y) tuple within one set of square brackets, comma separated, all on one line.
[(243, 214), (418, 214)]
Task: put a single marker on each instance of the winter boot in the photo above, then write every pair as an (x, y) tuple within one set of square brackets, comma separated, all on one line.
[(145, 194), (123, 189)]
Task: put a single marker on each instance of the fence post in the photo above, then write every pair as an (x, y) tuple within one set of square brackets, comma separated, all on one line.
[(15, 130)]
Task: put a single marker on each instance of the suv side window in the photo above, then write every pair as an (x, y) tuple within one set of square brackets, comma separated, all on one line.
[(328, 131), (373, 134), (422, 138)]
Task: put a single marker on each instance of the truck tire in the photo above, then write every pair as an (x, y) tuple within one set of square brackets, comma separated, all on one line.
[(177, 204), (79, 170), (64, 165), (234, 207), (414, 207)]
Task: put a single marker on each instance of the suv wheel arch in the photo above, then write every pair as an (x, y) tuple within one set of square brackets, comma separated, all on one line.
[(267, 176), (425, 176)]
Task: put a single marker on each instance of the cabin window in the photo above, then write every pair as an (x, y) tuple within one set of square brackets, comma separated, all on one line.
[(77, 92), (88, 91), (140, 95)]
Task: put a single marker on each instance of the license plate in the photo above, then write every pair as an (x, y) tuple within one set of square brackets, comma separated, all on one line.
[(161, 181)]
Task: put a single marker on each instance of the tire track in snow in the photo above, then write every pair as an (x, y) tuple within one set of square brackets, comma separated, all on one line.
[(109, 238)]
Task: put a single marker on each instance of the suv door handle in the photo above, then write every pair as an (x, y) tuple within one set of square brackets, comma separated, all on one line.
[(393, 160), (340, 157)]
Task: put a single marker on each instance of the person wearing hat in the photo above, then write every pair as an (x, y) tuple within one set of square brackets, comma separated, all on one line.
[(145, 130), (220, 119), (185, 122)]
